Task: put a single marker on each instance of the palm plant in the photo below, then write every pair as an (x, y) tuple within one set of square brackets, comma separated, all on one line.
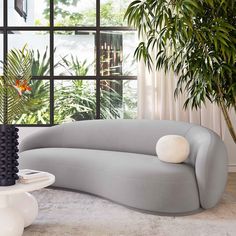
[(41, 65), (111, 100), (76, 99), (37, 106), (74, 66), (130, 100), (197, 40), (14, 84)]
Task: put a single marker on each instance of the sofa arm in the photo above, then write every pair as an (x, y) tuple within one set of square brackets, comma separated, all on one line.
[(209, 157)]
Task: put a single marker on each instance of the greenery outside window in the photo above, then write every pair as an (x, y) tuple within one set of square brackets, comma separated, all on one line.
[(83, 64)]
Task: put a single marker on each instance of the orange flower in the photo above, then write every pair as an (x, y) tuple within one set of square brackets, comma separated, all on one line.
[(21, 86)]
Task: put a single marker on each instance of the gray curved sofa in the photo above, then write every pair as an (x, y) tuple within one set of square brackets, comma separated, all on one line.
[(116, 159)]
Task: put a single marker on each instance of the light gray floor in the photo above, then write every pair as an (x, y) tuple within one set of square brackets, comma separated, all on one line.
[(64, 213)]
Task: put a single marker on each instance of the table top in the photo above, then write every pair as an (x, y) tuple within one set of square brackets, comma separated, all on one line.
[(20, 188)]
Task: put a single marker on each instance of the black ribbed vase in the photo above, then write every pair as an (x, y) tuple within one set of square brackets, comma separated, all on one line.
[(8, 155)]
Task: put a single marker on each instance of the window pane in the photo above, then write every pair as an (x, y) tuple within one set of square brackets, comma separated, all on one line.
[(74, 100), (1, 53), (38, 105), (113, 11), (118, 99), (36, 41), (117, 53), (75, 13), (1, 12), (74, 53), (28, 12)]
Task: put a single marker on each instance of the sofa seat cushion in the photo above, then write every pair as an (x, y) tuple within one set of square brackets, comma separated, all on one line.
[(136, 180)]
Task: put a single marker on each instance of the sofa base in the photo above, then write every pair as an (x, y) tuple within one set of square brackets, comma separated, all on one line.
[(178, 214)]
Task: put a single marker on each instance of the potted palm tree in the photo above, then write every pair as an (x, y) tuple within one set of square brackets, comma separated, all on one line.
[(197, 40), (14, 84)]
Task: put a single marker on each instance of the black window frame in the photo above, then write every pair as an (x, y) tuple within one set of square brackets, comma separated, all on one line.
[(51, 77)]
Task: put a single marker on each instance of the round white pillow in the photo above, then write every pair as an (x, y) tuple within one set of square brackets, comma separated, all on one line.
[(172, 148)]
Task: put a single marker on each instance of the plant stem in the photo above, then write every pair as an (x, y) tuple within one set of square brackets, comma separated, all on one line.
[(226, 114), (228, 121)]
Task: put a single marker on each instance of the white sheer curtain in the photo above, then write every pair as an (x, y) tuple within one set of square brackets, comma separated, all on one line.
[(156, 101)]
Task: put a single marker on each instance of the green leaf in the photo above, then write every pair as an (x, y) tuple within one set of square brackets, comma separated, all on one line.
[(17, 67)]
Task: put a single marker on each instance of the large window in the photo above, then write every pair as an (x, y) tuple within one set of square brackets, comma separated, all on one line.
[(83, 58)]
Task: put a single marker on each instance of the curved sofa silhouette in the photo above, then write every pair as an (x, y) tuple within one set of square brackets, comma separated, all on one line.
[(116, 159)]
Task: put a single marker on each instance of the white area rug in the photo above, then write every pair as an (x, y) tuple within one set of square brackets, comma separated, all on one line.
[(64, 213)]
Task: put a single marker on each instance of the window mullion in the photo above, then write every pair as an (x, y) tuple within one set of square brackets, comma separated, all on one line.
[(51, 62), (98, 58), (5, 49)]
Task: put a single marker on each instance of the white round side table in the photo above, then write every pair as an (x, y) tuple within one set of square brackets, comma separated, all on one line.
[(18, 208)]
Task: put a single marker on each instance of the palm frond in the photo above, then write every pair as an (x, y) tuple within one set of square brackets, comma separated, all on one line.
[(16, 68)]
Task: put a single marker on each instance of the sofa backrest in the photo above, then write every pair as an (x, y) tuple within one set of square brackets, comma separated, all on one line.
[(135, 136)]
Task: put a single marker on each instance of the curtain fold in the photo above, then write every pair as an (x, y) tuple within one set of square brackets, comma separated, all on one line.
[(156, 101)]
